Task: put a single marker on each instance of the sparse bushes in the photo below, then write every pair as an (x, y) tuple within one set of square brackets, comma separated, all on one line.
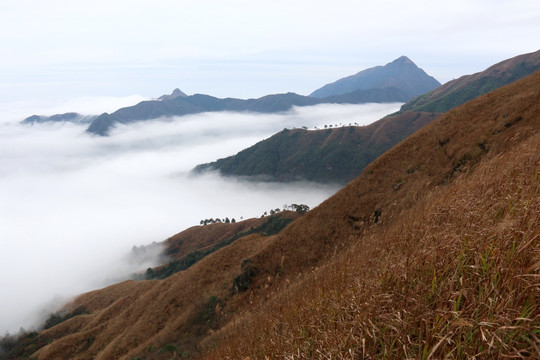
[(225, 220), (242, 282), (170, 348), (25, 343)]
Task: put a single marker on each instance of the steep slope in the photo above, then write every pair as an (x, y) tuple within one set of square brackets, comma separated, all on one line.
[(327, 156), (431, 251), (430, 158), (444, 258), (401, 74), (468, 87), (456, 276), (190, 246)]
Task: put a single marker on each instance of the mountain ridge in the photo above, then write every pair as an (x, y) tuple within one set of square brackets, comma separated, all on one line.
[(467, 87), (398, 81)]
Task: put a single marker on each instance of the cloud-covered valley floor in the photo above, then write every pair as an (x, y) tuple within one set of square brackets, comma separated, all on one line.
[(73, 205)]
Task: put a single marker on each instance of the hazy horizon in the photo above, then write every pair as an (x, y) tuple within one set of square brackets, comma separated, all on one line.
[(61, 50)]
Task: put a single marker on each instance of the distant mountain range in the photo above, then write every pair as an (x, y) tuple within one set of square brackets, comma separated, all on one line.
[(397, 81), (431, 252), (339, 155), (198, 103), (401, 74)]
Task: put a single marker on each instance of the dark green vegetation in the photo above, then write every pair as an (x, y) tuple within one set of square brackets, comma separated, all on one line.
[(401, 74), (61, 316), (272, 226), (217, 220), (25, 343), (327, 156), (22, 345), (468, 87)]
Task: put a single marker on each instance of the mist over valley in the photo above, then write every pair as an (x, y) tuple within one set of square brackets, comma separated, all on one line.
[(73, 205)]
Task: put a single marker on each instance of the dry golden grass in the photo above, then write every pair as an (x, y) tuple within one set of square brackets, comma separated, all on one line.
[(201, 238), (457, 277), (451, 268), (130, 318)]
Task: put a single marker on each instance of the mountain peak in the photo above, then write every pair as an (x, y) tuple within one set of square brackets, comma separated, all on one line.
[(403, 60), (401, 73), (176, 93)]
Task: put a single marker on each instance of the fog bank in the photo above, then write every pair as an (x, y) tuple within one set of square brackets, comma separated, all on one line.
[(73, 205)]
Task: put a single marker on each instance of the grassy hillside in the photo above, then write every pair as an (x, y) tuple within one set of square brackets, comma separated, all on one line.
[(432, 252), (329, 156), (441, 239), (468, 87), (456, 277)]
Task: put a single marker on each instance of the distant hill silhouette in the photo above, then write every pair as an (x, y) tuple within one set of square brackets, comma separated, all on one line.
[(185, 105), (401, 74), (67, 117), (339, 155), (397, 81)]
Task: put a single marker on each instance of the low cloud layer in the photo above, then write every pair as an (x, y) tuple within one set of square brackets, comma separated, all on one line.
[(73, 206)]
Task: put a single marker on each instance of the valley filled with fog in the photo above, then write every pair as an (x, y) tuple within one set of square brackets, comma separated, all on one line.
[(74, 205)]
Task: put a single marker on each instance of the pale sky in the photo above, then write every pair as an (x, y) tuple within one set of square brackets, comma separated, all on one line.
[(59, 50)]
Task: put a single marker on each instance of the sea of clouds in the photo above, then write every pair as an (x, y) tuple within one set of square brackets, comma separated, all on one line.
[(72, 205)]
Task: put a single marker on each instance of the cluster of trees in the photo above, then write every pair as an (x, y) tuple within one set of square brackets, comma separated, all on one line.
[(331, 126), (218, 220), (340, 125), (299, 208), (271, 212)]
